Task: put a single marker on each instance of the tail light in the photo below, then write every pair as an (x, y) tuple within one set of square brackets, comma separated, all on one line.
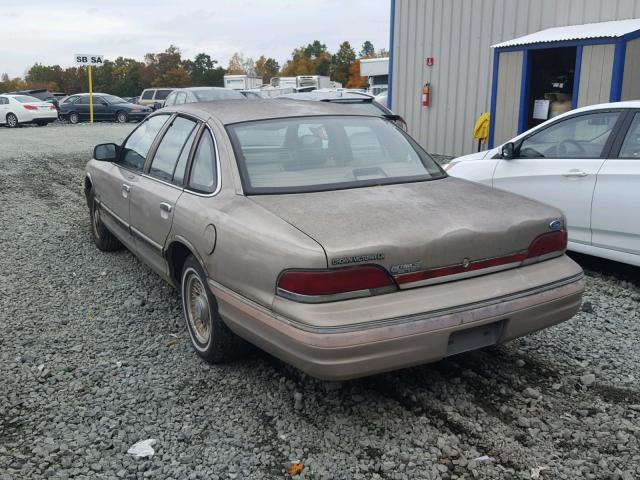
[(547, 245), (315, 286), (30, 107), (52, 107), (543, 247)]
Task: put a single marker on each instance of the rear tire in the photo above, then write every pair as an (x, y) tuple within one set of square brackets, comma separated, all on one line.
[(12, 120), (211, 338), (121, 117), (102, 237), (73, 118)]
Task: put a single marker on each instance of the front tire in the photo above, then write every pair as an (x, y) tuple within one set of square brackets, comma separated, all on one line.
[(102, 237), (12, 120), (121, 117), (73, 118), (211, 338)]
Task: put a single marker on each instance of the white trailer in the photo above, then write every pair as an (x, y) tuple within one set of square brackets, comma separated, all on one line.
[(284, 82), (242, 82), (307, 83)]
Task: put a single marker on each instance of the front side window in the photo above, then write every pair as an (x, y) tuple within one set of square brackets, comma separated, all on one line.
[(307, 154), (138, 144), (171, 148), (631, 145), (203, 172), (583, 136)]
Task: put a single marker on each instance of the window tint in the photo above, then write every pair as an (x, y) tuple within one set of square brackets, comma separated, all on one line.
[(579, 137), (83, 101), (203, 171), (138, 144), (147, 95), (170, 149), (631, 145), (162, 94)]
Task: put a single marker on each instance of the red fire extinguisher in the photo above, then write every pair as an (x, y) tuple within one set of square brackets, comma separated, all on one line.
[(426, 95)]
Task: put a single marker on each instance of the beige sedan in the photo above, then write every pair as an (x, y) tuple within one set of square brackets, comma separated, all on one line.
[(326, 237)]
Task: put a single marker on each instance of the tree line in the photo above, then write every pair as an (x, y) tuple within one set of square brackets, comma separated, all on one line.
[(128, 77)]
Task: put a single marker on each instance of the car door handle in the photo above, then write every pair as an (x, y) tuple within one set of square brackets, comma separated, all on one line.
[(126, 188), (166, 207), (575, 173)]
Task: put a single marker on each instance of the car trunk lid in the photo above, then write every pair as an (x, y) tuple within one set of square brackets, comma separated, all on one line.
[(415, 227)]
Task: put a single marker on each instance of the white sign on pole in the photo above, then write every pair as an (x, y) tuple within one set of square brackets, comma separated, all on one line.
[(88, 59)]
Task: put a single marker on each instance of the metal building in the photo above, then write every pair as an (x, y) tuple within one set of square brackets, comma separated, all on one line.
[(447, 44)]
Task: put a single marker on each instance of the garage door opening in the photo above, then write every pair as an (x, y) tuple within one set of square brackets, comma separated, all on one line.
[(551, 73)]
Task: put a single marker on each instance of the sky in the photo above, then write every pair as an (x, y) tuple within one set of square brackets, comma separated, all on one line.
[(51, 32)]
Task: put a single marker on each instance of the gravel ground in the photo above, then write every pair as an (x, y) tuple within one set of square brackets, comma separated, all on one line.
[(94, 357)]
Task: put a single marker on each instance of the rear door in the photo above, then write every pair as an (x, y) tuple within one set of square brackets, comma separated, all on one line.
[(616, 200), (4, 109), (154, 199), (558, 165)]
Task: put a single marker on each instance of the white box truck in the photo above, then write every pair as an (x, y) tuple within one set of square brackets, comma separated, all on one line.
[(242, 82), (284, 82), (307, 83)]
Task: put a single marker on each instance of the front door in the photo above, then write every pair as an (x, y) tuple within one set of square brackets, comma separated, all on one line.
[(558, 165), (118, 181), (154, 200), (616, 202)]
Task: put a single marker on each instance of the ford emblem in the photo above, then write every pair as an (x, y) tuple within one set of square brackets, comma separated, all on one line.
[(556, 224)]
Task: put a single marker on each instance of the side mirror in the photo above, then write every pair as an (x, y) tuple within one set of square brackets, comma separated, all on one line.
[(508, 151), (106, 152)]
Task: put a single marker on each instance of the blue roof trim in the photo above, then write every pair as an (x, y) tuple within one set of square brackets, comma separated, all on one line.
[(391, 34), (576, 78), (618, 71), (494, 94)]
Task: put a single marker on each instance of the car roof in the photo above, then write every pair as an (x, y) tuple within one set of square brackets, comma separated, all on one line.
[(195, 89), (235, 111)]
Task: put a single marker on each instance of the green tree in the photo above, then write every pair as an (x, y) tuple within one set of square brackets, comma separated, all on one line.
[(341, 62), (205, 71), (367, 50), (267, 68), (315, 49)]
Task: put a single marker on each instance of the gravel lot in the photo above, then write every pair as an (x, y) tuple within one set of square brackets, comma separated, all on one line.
[(94, 357)]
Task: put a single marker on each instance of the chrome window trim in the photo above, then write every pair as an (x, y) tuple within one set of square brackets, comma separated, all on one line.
[(218, 174)]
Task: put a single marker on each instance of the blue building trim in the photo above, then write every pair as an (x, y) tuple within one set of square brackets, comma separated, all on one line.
[(391, 54), (576, 78), (525, 86), (618, 71), (494, 95)]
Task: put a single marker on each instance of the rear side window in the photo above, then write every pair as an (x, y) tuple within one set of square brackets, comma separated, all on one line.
[(203, 172), (82, 101), (147, 95), (162, 94), (138, 144), (171, 148), (171, 99), (4, 101)]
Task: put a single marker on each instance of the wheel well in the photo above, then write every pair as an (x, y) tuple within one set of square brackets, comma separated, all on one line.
[(177, 254)]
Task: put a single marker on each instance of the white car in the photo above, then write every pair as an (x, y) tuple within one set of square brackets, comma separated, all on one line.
[(17, 109), (585, 162)]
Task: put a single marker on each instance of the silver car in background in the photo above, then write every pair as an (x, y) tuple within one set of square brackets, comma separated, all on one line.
[(326, 236)]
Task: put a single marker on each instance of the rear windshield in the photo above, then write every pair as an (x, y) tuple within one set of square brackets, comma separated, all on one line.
[(222, 94), (366, 107), (308, 154), (26, 98)]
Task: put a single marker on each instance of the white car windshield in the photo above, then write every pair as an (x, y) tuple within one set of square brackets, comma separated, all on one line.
[(306, 154)]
